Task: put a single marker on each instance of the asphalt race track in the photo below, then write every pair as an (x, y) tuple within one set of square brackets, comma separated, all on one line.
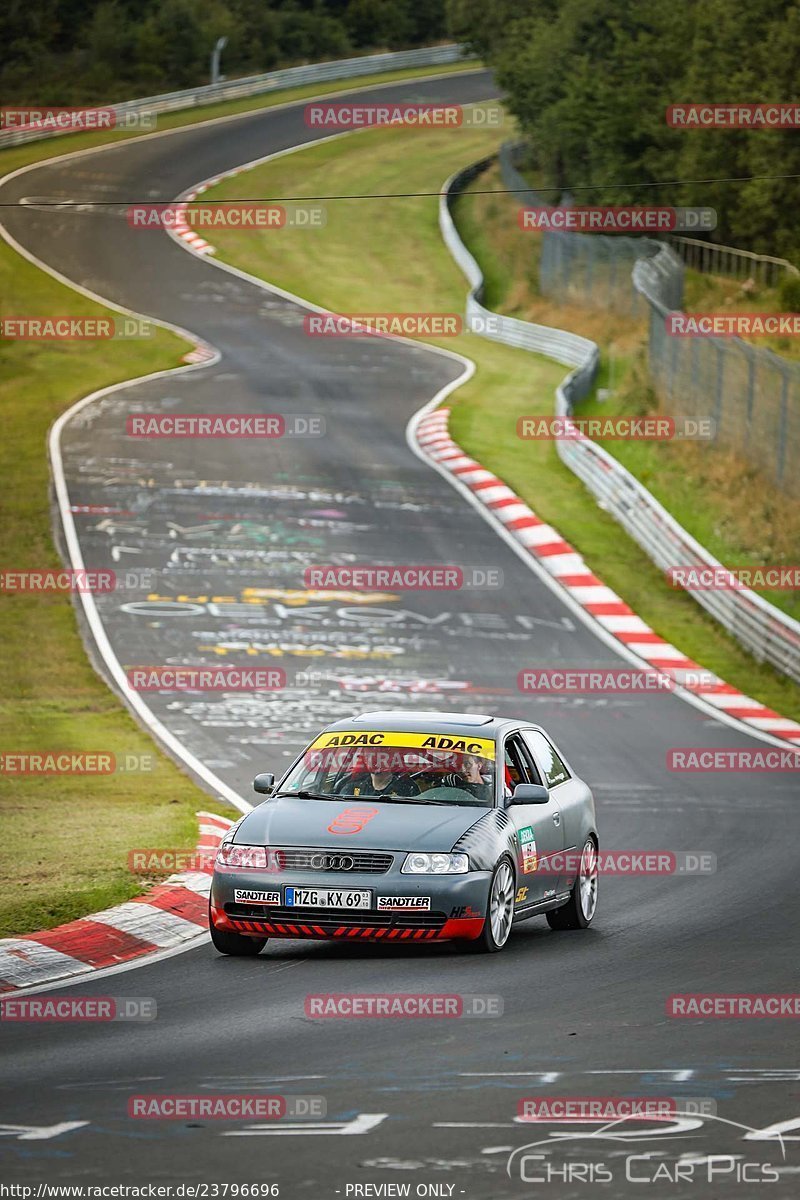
[(231, 526)]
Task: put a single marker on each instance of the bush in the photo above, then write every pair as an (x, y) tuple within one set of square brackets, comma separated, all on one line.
[(789, 292)]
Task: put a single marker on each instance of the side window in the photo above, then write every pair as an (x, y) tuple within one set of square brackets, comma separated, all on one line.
[(554, 770), (518, 767)]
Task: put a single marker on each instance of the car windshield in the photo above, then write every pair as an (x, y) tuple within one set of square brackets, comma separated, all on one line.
[(414, 768)]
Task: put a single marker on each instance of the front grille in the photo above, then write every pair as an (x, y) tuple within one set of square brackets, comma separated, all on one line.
[(334, 919), (364, 862)]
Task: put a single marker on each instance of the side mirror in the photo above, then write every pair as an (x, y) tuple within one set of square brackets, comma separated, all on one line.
[(529, 793), (264, 783)]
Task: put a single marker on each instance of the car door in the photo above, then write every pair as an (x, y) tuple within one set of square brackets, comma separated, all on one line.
[(569, 797), (537, 826)]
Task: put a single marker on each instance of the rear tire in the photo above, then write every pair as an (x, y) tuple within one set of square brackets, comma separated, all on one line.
[(235, 944), (579, 910), (499, 912)]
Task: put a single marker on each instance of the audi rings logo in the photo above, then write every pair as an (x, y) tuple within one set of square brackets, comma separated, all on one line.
[(331, 862)]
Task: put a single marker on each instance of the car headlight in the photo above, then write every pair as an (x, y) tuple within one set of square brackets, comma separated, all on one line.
[(232, 855), (435, 864)]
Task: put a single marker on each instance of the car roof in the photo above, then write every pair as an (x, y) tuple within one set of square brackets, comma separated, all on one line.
[(408, 720)]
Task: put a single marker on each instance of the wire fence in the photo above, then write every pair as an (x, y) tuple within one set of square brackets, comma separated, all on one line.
[(751, 394)]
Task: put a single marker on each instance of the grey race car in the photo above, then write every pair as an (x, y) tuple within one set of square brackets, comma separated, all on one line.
[(410, 826)]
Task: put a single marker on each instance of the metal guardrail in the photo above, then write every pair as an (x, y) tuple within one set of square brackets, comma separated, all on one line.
[(568, 348), (713, 259), (769, 634), (254, 85)]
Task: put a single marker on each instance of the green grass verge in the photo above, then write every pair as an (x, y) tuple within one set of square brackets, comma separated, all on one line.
[(401, 264)]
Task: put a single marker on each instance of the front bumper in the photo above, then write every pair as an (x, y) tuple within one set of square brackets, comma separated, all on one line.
[(455, 905)]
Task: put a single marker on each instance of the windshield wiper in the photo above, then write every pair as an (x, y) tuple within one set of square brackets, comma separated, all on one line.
[(394, 799), (308, 795)]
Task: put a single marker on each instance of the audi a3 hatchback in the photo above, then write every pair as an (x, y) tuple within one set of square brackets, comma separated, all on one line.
[(410, 826)]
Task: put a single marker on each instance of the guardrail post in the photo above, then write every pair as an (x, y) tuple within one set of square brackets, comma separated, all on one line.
[(782, 423), (751, 385), (718, 394), (673, 368)]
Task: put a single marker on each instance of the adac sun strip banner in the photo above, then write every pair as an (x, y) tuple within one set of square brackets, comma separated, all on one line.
[(483, 747)]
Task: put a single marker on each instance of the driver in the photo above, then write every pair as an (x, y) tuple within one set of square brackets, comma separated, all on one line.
[(374, 783), (469, 779)]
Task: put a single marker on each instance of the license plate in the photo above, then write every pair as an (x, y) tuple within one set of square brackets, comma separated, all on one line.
[(295, 897)]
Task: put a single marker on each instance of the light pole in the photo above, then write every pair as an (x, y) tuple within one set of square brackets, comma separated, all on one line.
[(215, 57)]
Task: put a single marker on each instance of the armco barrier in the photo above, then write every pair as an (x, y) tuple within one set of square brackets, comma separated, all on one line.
[(711, 258), (254, 85), (769, 634)]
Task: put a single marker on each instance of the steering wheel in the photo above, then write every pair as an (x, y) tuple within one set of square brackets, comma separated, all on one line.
[(452, 795)]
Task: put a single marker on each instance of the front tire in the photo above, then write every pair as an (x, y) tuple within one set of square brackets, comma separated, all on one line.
[(579, 910), (235, 944), (499, 912)]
